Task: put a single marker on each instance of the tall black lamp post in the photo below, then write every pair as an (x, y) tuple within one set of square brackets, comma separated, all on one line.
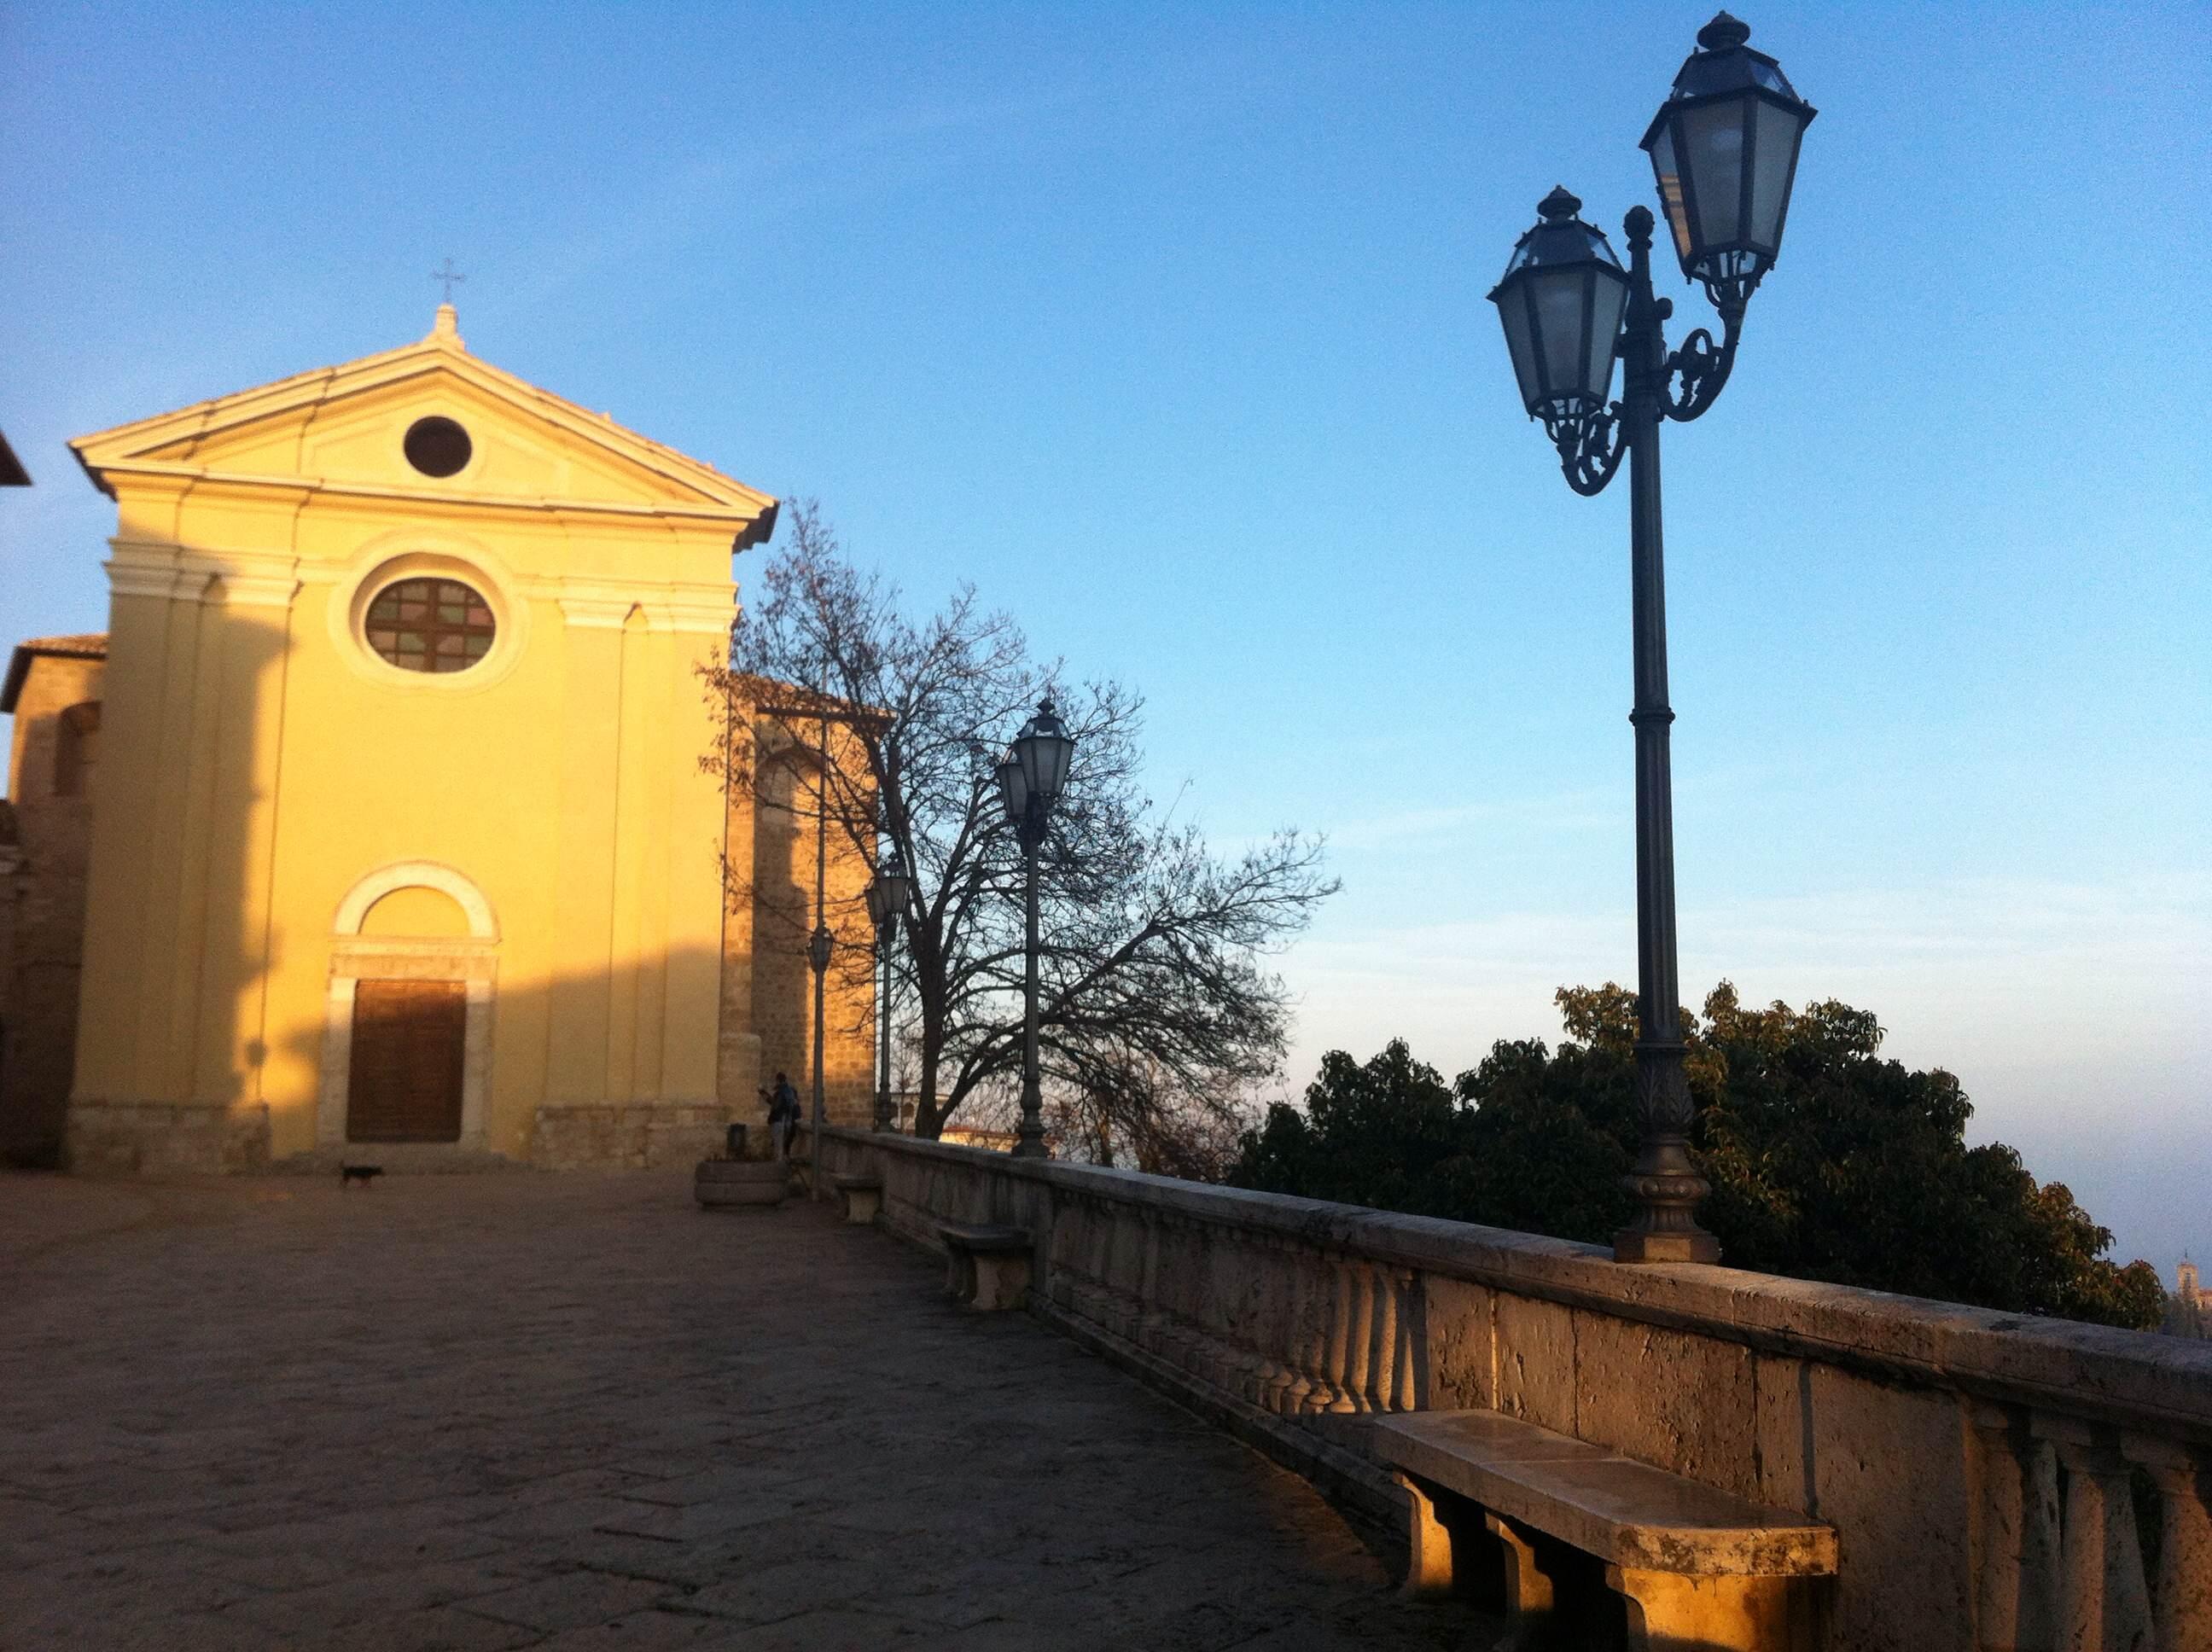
[(887, 894), (1030, 780), (1724, 150)]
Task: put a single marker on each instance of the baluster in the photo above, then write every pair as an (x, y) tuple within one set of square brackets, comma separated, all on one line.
[(1097, 1263), (1402, 1393), (1297, 1396), (1213, 1285), (2018, 1603), (1269, 1377), (1144, 1306), (2104, 1603), (1238, 1271), (1342, 1321), (1132, 1272), (2181, 1594), (1259, 1319), (2040, 1545), (1181, 1288), (1359, 1335), (1160, 1297), (1071, 1242), (1114, 1225), (1321, 1331), (1383, 1345)]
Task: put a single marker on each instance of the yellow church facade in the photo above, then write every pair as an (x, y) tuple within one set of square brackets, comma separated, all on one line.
[(402, 847)]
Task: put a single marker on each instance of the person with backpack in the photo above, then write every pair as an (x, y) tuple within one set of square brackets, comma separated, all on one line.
[(782, 1115)]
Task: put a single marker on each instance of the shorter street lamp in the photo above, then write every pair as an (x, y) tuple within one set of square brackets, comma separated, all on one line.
[(1723, 150), (1030, 777), (887, 894), (818, 955)]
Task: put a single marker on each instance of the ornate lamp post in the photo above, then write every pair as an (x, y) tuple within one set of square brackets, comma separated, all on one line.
[(887, 894), (1030, 780), (1724, 149)]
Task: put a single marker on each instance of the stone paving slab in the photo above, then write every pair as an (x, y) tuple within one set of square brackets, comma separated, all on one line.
[(562, 1411)]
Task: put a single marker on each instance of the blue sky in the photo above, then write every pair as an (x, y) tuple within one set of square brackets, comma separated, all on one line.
[(1166, 329)]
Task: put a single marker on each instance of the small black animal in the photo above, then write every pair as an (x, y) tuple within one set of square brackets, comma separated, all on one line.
[(364, 1174)]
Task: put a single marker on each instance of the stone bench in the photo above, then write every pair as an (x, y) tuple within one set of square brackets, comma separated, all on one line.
[(987, 1267), (1566, 1526), (863, 1196)]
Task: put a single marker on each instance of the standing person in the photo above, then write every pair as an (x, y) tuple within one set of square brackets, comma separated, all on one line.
[(782, 1115)]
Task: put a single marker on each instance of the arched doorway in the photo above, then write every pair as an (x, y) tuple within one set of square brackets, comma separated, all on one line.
[(407, 1037)]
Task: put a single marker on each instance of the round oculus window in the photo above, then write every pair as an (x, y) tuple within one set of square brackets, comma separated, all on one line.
[(430, 625), (437, 447)]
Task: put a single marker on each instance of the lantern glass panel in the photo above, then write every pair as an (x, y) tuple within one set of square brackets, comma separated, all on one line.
[(1609, 298), (1044, 762), (1562, 326), (1775, 136), (1711, 137), (1014, 789), (1669, 175), (1513, 310)]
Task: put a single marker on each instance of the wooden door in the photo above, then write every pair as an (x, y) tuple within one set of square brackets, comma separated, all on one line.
[(405, 1082)]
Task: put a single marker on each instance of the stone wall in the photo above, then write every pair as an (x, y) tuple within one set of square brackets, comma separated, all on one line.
[(768, 983), (166, 1138), (51, 774), (625, 1136), (1985, 1472)]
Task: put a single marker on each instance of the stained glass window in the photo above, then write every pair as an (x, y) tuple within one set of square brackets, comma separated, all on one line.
[(430, 625)]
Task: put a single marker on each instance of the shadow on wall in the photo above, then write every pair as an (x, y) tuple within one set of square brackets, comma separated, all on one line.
[(169, 1050), (211, 1039)]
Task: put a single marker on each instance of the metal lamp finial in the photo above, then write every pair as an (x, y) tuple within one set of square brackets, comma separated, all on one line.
[(1723, 32)]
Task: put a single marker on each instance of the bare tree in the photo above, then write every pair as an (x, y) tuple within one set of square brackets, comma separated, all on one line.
[(1155, 1002)]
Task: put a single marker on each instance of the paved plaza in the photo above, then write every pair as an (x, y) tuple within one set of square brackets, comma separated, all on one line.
[(529, 1410)]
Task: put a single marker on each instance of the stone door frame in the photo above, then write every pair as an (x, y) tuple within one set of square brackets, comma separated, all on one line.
[(472, 960)]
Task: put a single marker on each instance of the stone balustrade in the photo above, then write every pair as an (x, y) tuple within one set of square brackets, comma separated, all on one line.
[(1997, 1484)]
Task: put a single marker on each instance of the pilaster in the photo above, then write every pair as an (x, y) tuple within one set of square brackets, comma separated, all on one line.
[(576, 1047), (696, 635)]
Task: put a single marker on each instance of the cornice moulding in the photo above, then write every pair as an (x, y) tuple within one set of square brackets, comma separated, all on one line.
[(306, 488), (595, 613)]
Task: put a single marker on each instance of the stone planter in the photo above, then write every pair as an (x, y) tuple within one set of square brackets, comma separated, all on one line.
[(723, 1184)]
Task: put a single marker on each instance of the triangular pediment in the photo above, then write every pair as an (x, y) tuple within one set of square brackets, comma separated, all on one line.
[(346, 428)]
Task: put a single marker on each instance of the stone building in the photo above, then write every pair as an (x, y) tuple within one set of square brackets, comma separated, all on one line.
[(2188, 1311), (401, 839), (53, 692)]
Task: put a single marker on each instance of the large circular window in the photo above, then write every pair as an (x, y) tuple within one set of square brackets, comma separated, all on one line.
[(430, 625), (437, 447)]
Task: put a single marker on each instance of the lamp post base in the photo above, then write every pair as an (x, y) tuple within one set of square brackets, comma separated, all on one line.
[(1667, 1189), (1643, 1245)]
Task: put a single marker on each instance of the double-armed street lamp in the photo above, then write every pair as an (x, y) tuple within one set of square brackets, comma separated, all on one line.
[(1030, 777), (1724, 149), (887, 893)]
